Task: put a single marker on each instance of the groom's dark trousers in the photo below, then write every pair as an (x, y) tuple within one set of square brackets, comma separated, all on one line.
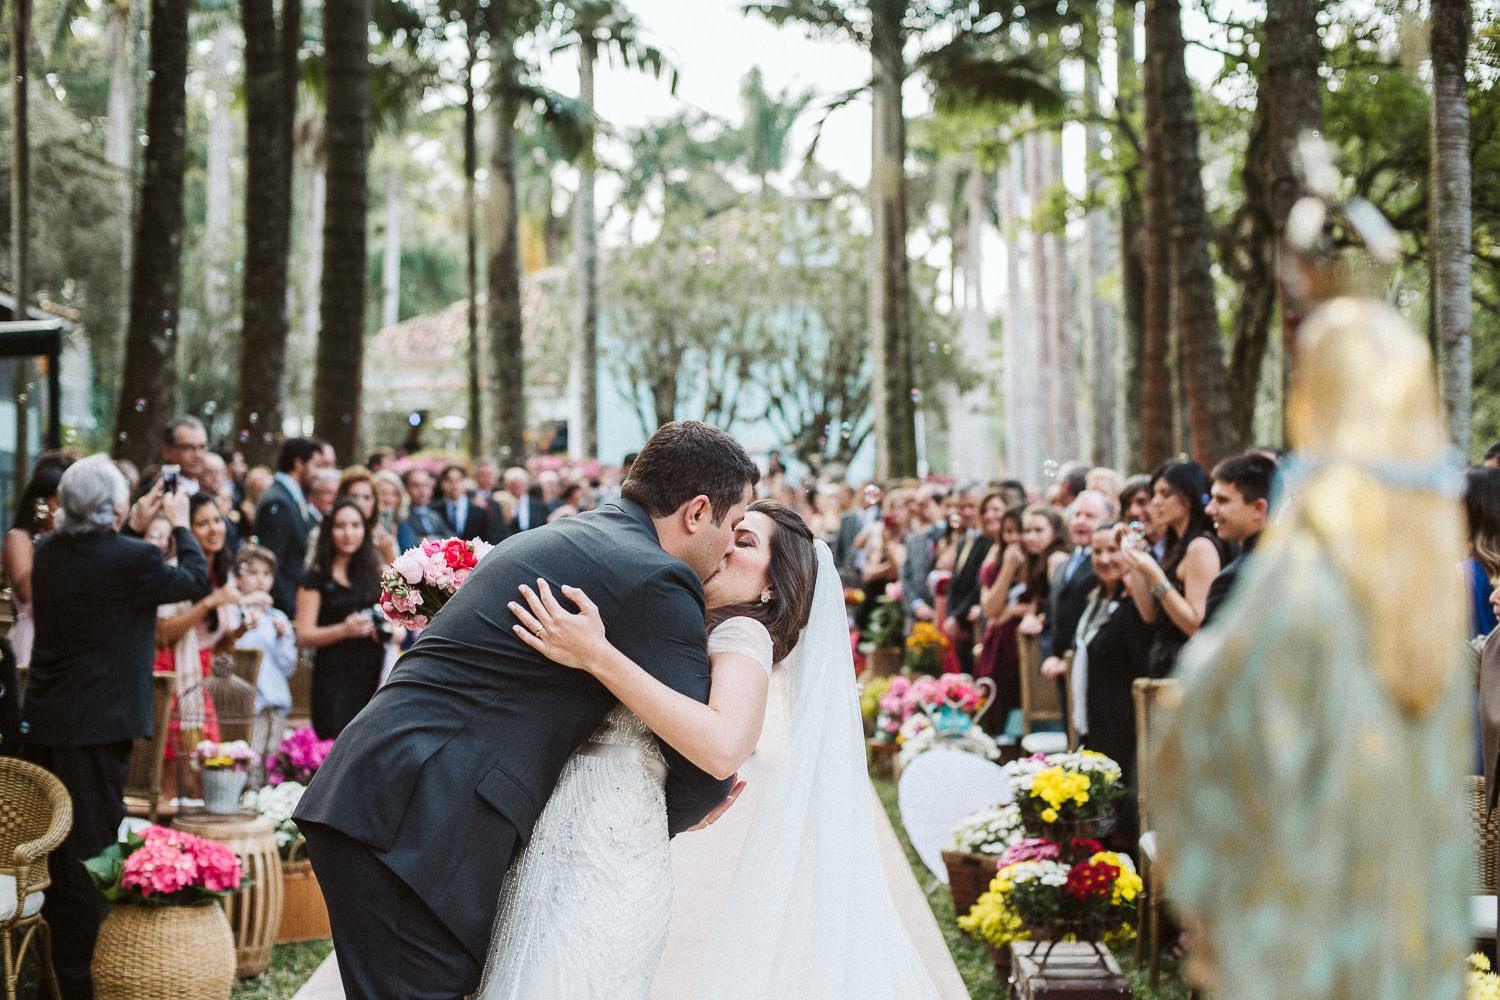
[(427, 793), (375, 913)]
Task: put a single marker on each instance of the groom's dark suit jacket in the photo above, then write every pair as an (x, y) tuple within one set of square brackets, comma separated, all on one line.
[(469, 735)]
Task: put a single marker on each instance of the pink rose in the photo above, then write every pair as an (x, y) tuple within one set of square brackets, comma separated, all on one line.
[(409, 565)]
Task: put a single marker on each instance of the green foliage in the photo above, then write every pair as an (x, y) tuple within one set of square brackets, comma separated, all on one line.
[(292, 965)]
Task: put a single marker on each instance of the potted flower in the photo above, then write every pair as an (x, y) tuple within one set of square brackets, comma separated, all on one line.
[(298, 757), (165, 934), (881, 640), (954, 701), (226, 768), (304, 914), (1481, 984), (918, 735), (925, 648), (973, 856), (870, 694), (1067, 795)]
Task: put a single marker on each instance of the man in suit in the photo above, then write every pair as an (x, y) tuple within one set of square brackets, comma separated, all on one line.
[(530, 506), (921, 551), (963, 590), (1239, 503), (1070, 587), (467, 518), (412, 821), (283, 519), (425, 520), (849, 558), (95, 593)]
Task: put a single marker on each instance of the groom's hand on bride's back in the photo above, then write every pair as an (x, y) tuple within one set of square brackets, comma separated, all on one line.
[(722, 808)]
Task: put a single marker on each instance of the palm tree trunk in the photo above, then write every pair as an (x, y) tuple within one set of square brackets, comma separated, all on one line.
[(1194, 310), (119, 139), (1247, 250), (1292, 97), (1060, 289), (890, 276), (1451, 223), (1100, 357), (1022, 400), (1128, 408), (270, 77), (584, 438), (341, 340), (20, 216), (506, 342), (1044, 359), (970, 447), (148, 384), (390, 264), (1157, 401), (471, 235), (313, 139)]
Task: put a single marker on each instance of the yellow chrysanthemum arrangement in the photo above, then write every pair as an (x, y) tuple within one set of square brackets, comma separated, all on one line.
[(1056, 787), (1482, 983)]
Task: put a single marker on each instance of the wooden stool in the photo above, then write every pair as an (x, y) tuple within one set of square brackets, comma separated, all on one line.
[(255, 911), (1074, 970)]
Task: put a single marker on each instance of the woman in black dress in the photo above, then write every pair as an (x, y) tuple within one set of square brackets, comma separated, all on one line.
[(336, 617), (1111, 650), (1172, 595)]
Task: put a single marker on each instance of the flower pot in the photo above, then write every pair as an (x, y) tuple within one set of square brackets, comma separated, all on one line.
[(969, 876), (1065, 830), (304, 915), (221, 789), (1001, 959), (183, 952), (885, 661), (882, 758)]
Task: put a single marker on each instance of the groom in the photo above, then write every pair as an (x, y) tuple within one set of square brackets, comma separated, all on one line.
[(414, 818)]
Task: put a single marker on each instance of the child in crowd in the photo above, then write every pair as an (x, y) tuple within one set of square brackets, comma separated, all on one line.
[(270, 631)]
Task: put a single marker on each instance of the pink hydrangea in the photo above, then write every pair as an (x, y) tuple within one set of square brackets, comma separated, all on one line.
[(1030, 849), (159, 868), (218, 866)]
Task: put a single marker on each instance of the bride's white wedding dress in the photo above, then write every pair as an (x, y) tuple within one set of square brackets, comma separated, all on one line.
[(586, 905)]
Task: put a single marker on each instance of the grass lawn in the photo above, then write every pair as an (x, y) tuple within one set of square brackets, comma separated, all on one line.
[(291, 966), (973, 957)]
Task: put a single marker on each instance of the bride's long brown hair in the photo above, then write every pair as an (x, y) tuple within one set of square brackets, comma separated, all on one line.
[(793, 572)]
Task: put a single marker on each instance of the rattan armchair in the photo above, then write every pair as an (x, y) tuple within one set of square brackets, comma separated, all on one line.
[(35, 815), (1484, 913), (147, 757)]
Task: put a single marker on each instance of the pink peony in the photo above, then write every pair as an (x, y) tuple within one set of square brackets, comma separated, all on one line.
[(409, 565)]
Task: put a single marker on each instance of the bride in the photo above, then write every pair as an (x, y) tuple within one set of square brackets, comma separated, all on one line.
[(586, 906)]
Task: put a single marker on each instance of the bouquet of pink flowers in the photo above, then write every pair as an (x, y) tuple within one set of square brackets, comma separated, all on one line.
[(298, 758), (421, 580), (164, 867)]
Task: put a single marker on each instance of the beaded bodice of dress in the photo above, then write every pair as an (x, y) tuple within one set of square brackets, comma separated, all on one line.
[(622, 728)]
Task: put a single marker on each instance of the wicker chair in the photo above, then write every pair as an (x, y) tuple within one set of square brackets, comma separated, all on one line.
[(1040, 699), (1154, 700), (245, 664), (35, 815), (234, 705), (147, 757), (301, 685), (1483, 910)]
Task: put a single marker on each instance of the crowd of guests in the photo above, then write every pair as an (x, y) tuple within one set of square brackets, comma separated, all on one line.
[(116, 573)]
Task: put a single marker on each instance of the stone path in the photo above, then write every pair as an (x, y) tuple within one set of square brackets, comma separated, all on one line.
[(698, 860)]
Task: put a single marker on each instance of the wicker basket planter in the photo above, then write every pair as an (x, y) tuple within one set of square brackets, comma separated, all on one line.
[(183, 952), (1061, 833), (1001, 959), (882, 758), (886, 661), (304, 915), (969, 876)]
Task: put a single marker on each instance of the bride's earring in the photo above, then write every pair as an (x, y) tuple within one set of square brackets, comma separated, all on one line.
[(765, 596)]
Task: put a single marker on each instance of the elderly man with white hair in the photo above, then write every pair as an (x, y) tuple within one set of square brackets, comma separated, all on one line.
[(1075, 580), (94, 595)]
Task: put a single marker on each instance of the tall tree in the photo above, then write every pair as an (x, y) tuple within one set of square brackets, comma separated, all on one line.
[(473, 29), (1451, 220), (271, 75), (1129, 160), (1291, 98), (1194, 309), (507, 347), (20, 210), (119, 140), (1100, 346), (1157, 400), (340, 358), (148, 385)]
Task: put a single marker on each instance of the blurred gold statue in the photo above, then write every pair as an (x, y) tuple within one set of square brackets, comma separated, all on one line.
[(1313, 817)]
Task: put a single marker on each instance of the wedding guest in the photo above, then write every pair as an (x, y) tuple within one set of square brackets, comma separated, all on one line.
[(486, 481), (1492, 456), (185, 445), (215, 482), (1072, 479), (1173, 593), (962, 621), (1068, 590), (922, 542), (574, 501), (1104, 480), (392, 508), (35, 509), (379, 459), (1238, 505), (335, 618), (95, 593), (826, 517), (1001, 594), (456, 506), (130, 472), (1482, 567), (424, 521), (1018, 600), (847, 556), (257, 480), (270, 631), (357, 484), (530, 512), (883, 554), (282, 519), (1111, 648), (1135, 499), (320, 498)]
